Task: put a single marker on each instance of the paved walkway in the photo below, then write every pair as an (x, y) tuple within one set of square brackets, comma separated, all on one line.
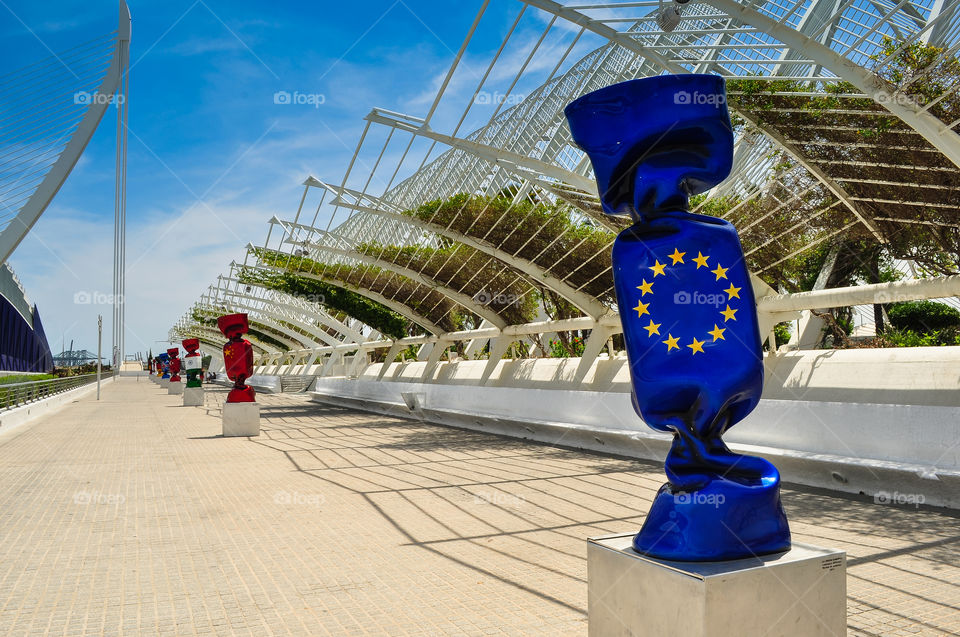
[(133, 516)]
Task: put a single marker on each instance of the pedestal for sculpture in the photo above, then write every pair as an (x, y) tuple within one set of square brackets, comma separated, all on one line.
[(193, 396), (174, 388), (797, 593), (241, 419)]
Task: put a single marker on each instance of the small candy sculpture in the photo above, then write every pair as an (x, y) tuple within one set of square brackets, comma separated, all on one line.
[(192, 362), (164, 360), (174, 354), (237, 357)]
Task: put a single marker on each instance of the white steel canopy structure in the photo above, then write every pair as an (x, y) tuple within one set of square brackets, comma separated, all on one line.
[(48, 113), (846, 114)]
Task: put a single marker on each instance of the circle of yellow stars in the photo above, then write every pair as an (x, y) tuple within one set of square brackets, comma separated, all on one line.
[(673, 342)]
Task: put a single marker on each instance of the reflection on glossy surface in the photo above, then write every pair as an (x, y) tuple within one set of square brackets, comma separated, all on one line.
[(688, 313)]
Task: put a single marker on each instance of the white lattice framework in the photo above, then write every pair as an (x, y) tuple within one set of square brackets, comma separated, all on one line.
[(523, 149)]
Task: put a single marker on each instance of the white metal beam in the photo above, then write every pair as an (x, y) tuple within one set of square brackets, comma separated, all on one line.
[(931, 128)]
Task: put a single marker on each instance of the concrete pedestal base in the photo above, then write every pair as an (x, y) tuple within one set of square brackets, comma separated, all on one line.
[(241, 419), (175, 388), (193, 396), (799, 593)]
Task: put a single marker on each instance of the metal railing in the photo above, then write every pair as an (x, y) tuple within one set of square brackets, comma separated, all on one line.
[(16, 394)]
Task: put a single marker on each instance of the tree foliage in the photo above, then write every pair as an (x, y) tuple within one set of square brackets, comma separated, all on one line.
[(544, 234), (368, 311)]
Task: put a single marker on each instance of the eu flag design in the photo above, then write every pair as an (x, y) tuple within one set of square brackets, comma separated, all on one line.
[(690, 323), (688, 311), (706, 296)]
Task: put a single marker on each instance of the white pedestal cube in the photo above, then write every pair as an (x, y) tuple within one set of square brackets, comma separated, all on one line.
[(193, 396), (799, 593), (174, 388), (241, 419)]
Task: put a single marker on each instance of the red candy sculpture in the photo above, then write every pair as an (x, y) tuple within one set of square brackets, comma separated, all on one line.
[(174, 353), (237, 357), (192, 361)]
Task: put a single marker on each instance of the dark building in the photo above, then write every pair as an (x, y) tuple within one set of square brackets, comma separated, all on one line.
[(23, 344)]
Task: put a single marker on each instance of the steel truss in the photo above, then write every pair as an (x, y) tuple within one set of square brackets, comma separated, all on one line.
[(524, 151)]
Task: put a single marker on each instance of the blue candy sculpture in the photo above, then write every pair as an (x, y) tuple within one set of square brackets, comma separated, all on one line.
[(164, 359), (688, 312)]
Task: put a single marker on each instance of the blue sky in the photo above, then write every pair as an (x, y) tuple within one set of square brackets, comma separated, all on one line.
[(211, 156)]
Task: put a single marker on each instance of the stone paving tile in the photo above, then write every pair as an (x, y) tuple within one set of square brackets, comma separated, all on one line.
[(133, 516)]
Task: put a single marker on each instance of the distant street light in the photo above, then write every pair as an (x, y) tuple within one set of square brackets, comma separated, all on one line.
[(99, 345)]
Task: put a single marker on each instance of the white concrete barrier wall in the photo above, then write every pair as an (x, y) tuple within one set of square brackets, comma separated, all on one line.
[(897, 428), (914, 434), (264, 383)]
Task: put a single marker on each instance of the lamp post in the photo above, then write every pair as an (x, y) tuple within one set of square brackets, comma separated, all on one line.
[(99, 346)]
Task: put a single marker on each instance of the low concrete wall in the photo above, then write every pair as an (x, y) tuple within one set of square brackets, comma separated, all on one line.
[(902, 376), (260, 382), (14, 418), (265, 384), (867, 443)]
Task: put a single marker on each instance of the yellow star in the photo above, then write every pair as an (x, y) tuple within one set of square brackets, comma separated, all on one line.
[(717, 333), (700, 260), (653, 328), (734, 292), (720, 272), (697, 346), (671, 342), (677, 256), (645, 288), (642, 309), (728, 314), (657, 268)]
